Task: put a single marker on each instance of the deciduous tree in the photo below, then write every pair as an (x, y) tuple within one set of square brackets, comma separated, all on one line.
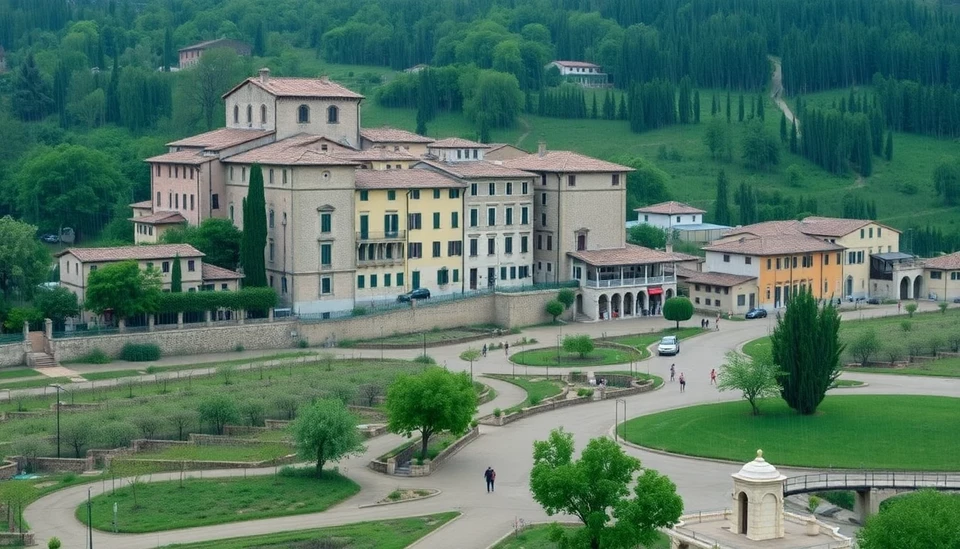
[(326, 431), (567, 297), (760, 149), (807, 349), (647, 235), (123, 288), (217, 71), (596, 489), (24, 261), (581, 344), (218, 410), (432, 401), (755, 377), (218, 239), (470, 355), (677, 309), (554, 308), (923, 520)]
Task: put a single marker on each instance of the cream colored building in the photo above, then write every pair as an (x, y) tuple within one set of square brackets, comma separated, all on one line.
[(720, 292), (941, 278)]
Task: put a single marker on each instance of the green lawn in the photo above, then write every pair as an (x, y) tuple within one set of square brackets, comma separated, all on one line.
[(193, 452), (113, 374), (35, 383), (381, 534), (945, 367), (17, 373), (538, 537), (433, 337), (167, 506), (871, 432), (657, 380), (537, 389), (600, 356), (757, 346), (642, 341)]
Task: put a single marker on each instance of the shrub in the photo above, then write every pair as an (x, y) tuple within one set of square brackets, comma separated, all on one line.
[(358, 311), (954, 340), (95, 356), (915, 347), (584, 392), (238, 347), (567, 297), (535, 400), (943, 306), (54, 543), (906, 325), (395, 495), (894, 353), (140, 352), (911, 308), (580, 344), (425, 359), (812, 503), (865, 346), (474, 423), (497, 412), (554, 309), (246, 299), (934, 344), (303, 343)]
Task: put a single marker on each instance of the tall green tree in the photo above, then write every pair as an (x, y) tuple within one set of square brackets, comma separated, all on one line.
[(203, 85), (57, 304), (254, 239), (760, 113), (432, 401), (678, 309), (24, 261), (721, 215), (717, 139), (684, 106), (260, 41), (946, 181), (923, 520), (696, 106), (760, 149), (755, 377), (218, 239), (326, 431), (32, 97), (783, 128), (888, 147), (176, 276), (794, 144), (124, 289), (728, 108), (169, 54), (740, 109), (644, 234), (596, 490), (806, 348)]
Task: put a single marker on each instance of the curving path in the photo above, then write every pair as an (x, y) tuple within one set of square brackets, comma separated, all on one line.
[(703, 484)]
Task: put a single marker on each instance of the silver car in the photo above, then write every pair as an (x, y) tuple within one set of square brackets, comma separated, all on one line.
[(669, 345)]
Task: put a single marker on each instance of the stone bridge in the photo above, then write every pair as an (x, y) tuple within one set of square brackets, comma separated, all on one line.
[(871, 487)]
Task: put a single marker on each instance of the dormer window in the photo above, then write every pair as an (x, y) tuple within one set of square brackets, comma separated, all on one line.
[(333, 114), (303, 114)]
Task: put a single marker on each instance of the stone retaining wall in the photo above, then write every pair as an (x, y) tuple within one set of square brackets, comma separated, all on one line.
[(25, 539), (243, 430), (12, 354), (435, 464), (56, 465), (225, 440), (8, 469), (188, 465), (276, 424)]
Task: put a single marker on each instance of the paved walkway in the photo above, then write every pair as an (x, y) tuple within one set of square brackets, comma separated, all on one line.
[(703, 484)]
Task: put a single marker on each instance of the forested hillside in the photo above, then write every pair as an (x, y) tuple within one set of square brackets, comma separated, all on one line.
[(89, 92)]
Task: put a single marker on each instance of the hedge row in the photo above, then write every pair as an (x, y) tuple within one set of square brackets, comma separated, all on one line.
[(248, 299)]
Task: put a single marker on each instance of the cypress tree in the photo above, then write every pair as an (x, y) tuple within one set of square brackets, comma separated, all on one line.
[(622, 113), (176, 276), (740, 109), (728, 107), (421, 123), (696, 106), (722, 208), (259, 41), (254, 232), (683, 100), (806, 348), (753, 108), (713, 105), (594, 111), (793, 137), (760, 106), (783, 127), (61, 86), (168, 55), (888, 149)]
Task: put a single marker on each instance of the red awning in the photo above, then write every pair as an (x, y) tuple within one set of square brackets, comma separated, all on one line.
[(655, 291)]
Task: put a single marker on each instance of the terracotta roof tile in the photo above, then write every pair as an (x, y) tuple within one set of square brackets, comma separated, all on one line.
[(835, 226), (219, 42), (220, 139), (191, 157), (300, 87), (404, 179), (715, 279), (563, 161), (583, 64), (375, 154), (212, 272), (392, 135), (950, 262), (476, 169), (670, 208), (298, 150), (144, 205), (160, 218), (457, 143), (781, 244), (631, 254), (766, 228), (123, 253)]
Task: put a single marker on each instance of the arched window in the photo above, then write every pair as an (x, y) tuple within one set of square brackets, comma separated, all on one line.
[(249, 114), (303, 114), (231, 212), (263, 114), (271, 219), (333, 114), (236, 114)]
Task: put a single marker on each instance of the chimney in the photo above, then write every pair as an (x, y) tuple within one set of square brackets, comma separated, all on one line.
[(541, 148), (325, 79), (264, 75)]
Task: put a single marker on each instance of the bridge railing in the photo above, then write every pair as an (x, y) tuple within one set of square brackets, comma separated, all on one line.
[(870, 479)]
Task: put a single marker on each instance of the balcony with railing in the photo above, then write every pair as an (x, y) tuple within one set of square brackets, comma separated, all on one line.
[(619, 282), (383, 236), (379, 254)]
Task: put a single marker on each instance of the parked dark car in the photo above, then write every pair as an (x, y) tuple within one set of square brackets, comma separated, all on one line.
[(874, 301), (419, 293), (757, 313), (956, 300)]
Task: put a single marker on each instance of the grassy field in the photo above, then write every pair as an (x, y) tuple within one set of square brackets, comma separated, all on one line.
[(870, 432), (692, 178), (538, 537), (192, 452), (537, 389), (600, 356), (167, 506), (381, 534), (110, 374), (35, 383), (17, 373), (433, 337), (945, 367)]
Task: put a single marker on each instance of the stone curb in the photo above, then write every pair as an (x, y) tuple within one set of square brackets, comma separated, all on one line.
[(428, 536), (418, 498)]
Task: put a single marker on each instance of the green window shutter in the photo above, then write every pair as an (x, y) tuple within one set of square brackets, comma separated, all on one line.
[(360, 282), (400, 280), (416, 280), (436, 220)]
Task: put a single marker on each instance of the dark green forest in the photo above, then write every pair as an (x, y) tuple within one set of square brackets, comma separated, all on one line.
[(89, 92)]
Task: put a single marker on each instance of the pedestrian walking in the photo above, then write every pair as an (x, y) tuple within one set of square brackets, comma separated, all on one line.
[(672, 372), (713, 376), (708, 323), (716, 324), (506, 348), (490, 475), (899, 304), (484, 351), (683, 383)]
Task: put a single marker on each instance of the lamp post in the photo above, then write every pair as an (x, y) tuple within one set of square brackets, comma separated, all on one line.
[(424, 335), (616, 409), (58, 388), (90, 518), (381, 343)]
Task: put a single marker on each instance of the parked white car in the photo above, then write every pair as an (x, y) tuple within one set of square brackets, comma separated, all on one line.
[(669, 345)]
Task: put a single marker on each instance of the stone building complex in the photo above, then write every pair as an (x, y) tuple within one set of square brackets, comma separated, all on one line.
[(357, 216)]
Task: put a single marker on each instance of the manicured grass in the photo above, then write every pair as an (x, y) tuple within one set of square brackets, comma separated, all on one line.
[(754, 348), (113, 374), (538, 537), (548, 356), (642, 341), (381, 534), (657, 380), (537, 389), (846, 384), (167, 506), (871, 432), (17, 373), (192, 452), (438, 443), (234, 362), (945, 367), (433, 337), (34, 383)]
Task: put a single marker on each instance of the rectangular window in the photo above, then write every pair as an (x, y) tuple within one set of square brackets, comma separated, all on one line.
[(474, 214), (509, 188), (443, 276), (414, 250), (455, 220), (272, 249), (191, 265), (491, 217), (413, 221), (543, 199), (158, 198), (879, 231), (326, 285), (491, 246), (794, 262), (415, 194), (513, 273), (326, 222), (475, 156), (747, 260), (826, 259), (549, 241), (492, 189), (571, 181), (539, 241), (524, 244), (271, 176), (859, 257), (616, 180), (215, 201), (508, 245), (696, 300), (726, 258), (455, 248), (839, 255), (862, 233), (716, 302), (524, 187), (436, 249), (509, 216), (473, 189), (176, 171), (284, 176), (436, 220), (454, 194), (936, 275), (473, 247), (543, 219), (778, 263), (361, 282), (386, 279), (503, 273), (456, 275), (400, 280), (769, 262), (176, 201), (364, 196), (870, 232), (373, 281), (166, 266), (524, 215), (326, 255), (243, 174), (391, 195)]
